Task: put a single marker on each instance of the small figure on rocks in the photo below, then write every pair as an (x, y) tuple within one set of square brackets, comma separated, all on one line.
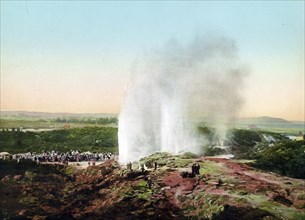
[(142, 168), (220, 182), (155, 165), (149, 182), (195, 169), (129, 166)]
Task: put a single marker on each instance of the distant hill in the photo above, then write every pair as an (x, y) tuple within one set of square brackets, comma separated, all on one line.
[(39, 115), (263, 120)]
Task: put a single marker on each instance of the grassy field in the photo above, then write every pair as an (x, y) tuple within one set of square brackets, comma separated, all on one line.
[(43, 124), (289, 128), (12, 123)]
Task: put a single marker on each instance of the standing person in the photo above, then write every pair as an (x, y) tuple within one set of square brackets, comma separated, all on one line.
[(155, 165), (193, 169), (129, 166), (196, 168), (142, 168), (149, 182)]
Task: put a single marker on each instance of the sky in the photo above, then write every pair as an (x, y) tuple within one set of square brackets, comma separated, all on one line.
[(77, 56)]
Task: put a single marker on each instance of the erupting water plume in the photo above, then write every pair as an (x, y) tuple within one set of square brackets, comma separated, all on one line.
[(175, 88)]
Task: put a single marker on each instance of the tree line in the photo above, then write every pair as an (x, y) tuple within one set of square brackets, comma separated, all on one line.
[(102, 120)]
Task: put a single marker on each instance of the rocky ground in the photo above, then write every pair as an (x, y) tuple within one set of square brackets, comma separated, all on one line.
[(224, 189)]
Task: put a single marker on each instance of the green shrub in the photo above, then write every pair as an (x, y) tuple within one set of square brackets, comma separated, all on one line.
[(285, 157)]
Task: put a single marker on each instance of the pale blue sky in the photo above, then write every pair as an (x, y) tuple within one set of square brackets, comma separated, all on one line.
[(79, 54)]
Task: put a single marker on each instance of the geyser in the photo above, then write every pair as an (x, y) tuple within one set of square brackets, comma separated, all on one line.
[(172, 90)]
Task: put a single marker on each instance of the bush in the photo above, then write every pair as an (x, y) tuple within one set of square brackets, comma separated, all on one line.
[(245, 137), (285, 157), (188, 155), (213, 151)]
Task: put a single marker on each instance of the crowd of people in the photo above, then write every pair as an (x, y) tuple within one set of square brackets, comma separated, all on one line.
[(64, 157)]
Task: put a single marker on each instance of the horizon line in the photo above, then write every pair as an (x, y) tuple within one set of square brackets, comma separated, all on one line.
[(92, 113)]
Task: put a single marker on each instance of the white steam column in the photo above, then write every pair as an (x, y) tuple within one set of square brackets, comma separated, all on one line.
[(171, 89)]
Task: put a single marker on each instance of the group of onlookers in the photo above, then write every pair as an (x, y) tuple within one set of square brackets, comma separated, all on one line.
[(63, 157)]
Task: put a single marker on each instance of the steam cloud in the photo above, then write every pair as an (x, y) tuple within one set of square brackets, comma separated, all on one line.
[(175, 88)]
